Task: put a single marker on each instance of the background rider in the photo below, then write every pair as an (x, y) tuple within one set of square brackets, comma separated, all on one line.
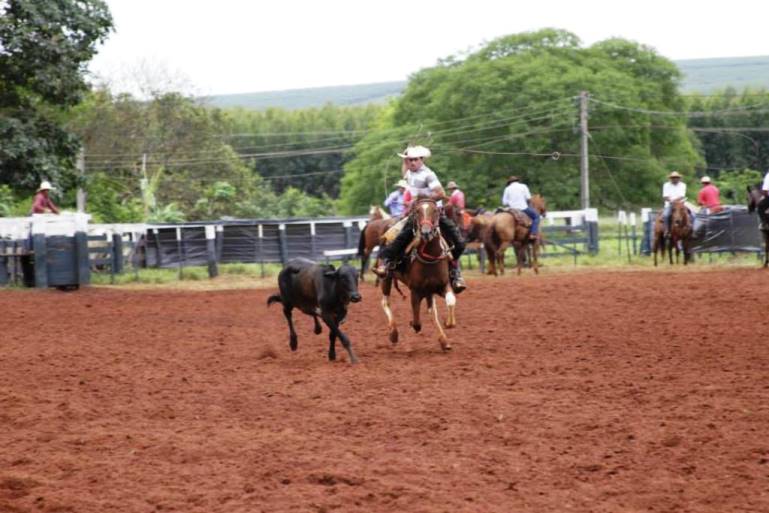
[(518, 196)]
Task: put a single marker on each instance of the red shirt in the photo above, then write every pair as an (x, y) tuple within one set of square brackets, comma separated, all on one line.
[(457, 199), (41, 203), (709, 196)]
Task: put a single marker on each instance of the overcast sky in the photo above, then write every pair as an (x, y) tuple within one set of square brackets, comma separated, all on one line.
[(232, 46)]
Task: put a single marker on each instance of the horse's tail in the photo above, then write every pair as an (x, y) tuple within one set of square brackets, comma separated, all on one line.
[(275, 298), (362, 241)]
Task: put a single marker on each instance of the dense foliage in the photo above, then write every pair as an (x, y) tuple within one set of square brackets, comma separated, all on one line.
[(508, 107), (44, 47)]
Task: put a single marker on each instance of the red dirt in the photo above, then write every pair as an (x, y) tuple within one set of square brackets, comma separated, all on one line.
[(572, 392)]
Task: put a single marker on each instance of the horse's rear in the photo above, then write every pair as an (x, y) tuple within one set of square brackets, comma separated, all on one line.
[(370, 237), (506, 229)]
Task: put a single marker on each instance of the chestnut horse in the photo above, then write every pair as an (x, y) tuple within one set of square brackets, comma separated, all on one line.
[(510, 228), (680, 233), (754, 197), (371, 234), (426, 275)]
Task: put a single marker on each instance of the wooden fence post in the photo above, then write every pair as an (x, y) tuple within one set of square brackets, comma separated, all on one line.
[(213, 269), (117, 253), (283, 243), (41, 254), (83, 258)]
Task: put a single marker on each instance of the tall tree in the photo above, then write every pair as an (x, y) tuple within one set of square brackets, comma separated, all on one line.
[(510, 108), (44, 47)]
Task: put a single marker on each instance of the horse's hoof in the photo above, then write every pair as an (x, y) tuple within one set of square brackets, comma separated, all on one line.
[(394, 337), (293, 344), (317, 330), (332, 356), (417, 327), (449, 325), (445, 345)]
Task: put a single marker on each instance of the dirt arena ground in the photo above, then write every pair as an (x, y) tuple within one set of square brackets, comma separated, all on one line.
[(580, 392)]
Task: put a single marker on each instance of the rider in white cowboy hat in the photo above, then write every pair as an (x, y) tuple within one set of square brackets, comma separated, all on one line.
[(42, 204), (674, 189), (422, 182), (395, 201)]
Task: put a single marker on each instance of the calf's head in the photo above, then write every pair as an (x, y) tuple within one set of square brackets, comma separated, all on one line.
[(345, 283)]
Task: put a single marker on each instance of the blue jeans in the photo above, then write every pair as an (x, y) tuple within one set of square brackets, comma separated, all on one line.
[(534, 219)]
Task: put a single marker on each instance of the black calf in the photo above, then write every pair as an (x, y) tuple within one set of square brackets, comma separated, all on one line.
[(320, 291)]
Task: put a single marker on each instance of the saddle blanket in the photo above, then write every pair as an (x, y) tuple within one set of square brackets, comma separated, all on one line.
[(520, 217)]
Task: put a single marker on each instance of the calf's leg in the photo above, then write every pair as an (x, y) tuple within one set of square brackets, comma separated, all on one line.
[(293, 341), (336, 332), (317, 329), (331, 345)]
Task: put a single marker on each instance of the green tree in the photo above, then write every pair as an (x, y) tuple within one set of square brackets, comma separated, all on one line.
[(43, 49), (511, 106)]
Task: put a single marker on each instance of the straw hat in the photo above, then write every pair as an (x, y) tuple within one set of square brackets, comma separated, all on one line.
[(415, 152), (452, 185), (45, 185), (674, 174), (402, 183), (705, 179)]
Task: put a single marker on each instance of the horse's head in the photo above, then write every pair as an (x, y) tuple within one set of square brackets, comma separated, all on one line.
[(427, 218), (538, 204), (754, 196), (679, 216)]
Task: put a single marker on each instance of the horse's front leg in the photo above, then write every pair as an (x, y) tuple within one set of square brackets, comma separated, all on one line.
[(451, 303), (416, 300), (442, 338), (386, 288)]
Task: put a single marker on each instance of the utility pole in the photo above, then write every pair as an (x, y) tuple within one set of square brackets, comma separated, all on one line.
[(584, 177), (143, 185), (81, 194)]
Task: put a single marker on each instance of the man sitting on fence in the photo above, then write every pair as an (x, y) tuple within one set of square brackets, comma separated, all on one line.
[(42, 204)]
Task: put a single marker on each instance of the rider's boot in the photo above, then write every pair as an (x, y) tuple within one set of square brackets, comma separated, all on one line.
[(457, 282), (383, 269)]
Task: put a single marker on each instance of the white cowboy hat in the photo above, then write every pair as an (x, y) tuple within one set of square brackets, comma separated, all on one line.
[(415, 152), (45, 185), (705, 179), (674, 174), (402, 183)]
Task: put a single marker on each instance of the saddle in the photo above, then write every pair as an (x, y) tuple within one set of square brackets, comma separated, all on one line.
[(520, 217)]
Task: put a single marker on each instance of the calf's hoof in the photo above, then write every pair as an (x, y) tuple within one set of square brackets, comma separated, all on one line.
[(317, 329), (445, 345), (416, 326)]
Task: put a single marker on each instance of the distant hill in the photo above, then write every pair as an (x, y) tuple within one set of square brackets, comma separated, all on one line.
[(311, 97), (700, 75), (708, 75)]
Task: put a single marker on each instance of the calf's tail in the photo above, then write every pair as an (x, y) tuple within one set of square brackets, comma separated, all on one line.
[(275, 298)]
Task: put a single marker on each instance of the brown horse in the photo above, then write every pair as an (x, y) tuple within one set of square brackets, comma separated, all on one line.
[(426, 275), (754, 197), (679, 237), (371, 235), (511, 228)]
